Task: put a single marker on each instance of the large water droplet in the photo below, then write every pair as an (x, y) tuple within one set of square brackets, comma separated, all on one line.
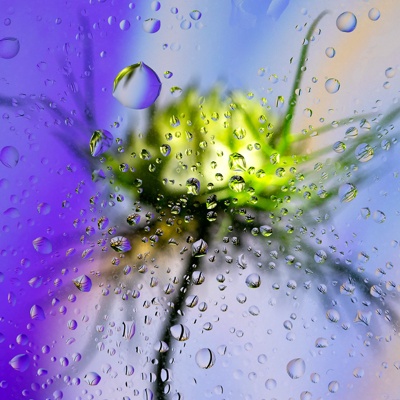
[(237, 162), (364, 152), (37, 313), (205, 358), (100, 142), (193, 186), (128, 329), (346, 22), (9, 47), (333, 315), (9, 156), (199, 248), (137, 86), (332, 85), (296, 368), (120, 244), (180, 332), (253, 281), (42, 245), (92, 378), (151, 25), (20, 362), (347, 192), (83, 283)]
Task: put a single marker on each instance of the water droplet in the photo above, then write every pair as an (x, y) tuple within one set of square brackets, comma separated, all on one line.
[(186, 24), (332, 85), (9, 156), (195, 15), (321, 343), (351, 133), (137, 86), (320, 257), (237, 162), (199, 248), (168, 74), (100, 142), (9, 47), (128, 329), (379, 217), (193, 186), (92, 378), (20, 362), (363, 317), (266, 230), (37, 313), (339, 147), (176, 91), (253, 281), (165, 150), (358, 372), (270, 384), (83, 283), (43, 208), (180, 332), (205, 358), (346, 22), (124, 25), (237, 183), (374, 14), (120, 244), (364, 152), (42, 245), (333, 315), (296, 368), (333, 386), (151, 25), (239, 133), (12, 212), (390, 72), (330, 52), (155, 5), (347, 192)]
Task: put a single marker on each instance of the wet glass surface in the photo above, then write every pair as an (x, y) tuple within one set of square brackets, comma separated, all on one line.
[(199, 200)]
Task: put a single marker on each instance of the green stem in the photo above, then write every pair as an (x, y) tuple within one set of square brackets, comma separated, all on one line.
[(287, 122)]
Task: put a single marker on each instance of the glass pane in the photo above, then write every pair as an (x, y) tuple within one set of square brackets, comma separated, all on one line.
[(198, 199)]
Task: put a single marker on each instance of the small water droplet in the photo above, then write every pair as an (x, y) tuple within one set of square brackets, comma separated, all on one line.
[(128, 329), (83, 283), (296, 368), (100, 142), (332, 85), (270, 384), (180, 332), (374, 14), (346, 22), (333, 386), (330, 52), (9, 47), (42, 245), (195, 15), (92, 378), (151, 25), (137, 86), (320, 257), (379, 217), (205, 358), (237, 183), (339, 147), (176, 91), (333, 315)]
